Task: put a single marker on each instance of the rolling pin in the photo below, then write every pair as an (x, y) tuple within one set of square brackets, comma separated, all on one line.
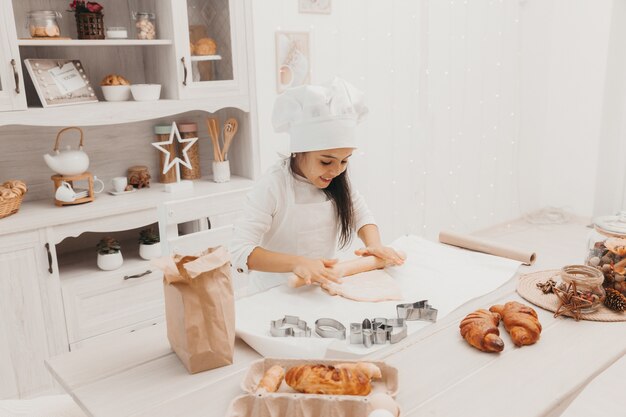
[(351, 267)]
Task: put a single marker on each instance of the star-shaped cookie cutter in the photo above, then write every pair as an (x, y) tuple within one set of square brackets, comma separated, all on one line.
[(419, 310), (290, 326)]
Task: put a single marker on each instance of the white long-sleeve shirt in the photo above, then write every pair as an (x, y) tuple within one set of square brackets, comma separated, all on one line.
[(265, 207)]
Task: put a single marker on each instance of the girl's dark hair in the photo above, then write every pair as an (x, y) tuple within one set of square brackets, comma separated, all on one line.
[(338, 191)]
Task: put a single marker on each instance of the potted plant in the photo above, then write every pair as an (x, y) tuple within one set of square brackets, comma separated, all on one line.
[(109, 254), (89, 19), (149, 244)]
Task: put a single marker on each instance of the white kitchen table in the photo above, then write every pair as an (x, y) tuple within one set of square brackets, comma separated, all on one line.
[(440, 374)]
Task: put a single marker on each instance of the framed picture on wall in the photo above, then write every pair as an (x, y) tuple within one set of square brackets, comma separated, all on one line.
[(60, 82), (314, 6), (293, 65)]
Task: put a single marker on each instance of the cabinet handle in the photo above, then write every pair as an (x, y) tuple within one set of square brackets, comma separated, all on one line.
[(137, 275), (47, 245), (17, 82), (184, 71)]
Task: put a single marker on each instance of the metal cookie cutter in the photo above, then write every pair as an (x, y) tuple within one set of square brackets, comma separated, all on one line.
[(285, 327), (330, 328), (361, 333), (392, 330), (420, 310)]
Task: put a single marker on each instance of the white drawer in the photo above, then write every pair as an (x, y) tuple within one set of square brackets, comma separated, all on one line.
[(111, 338), (103, 301)]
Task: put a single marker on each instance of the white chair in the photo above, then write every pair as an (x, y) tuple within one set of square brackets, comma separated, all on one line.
[(213, 226)]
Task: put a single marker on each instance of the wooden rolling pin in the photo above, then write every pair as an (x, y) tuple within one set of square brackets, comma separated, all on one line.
[(351, 267)]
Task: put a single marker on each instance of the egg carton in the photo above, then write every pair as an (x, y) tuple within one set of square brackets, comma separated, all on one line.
[(287, 402)]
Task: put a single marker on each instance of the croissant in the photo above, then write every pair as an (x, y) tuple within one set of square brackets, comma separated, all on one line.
[(520, 321), (322, 379), (480, 329), (271, 380)]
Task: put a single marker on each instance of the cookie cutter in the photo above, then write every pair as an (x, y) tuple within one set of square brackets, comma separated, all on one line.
[(419, 310), (378, 331), (290, 326), (330, 328)]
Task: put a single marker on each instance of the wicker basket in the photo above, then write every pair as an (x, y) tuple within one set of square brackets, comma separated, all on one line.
[(90, 25), (10, 206)]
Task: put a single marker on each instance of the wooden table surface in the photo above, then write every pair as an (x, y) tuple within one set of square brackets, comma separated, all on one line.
[(440, 375)]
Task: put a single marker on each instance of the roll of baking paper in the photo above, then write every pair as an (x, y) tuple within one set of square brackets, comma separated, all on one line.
[(483, 245)]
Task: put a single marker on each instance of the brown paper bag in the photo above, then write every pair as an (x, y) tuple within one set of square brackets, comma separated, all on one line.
[(200, 308)]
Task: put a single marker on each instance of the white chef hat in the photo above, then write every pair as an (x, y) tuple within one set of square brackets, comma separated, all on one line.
[(320, 117)]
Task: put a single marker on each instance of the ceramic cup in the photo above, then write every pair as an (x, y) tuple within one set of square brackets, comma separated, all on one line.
[(65, 193), (119, 184), (221, 171)]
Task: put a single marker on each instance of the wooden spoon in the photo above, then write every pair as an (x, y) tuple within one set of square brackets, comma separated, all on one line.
[(230, 129), (212, 128)]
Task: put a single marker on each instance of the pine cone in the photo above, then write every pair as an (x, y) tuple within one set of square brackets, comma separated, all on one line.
[(615, 300)]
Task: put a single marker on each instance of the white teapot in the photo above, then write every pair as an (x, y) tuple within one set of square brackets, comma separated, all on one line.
[(68, 161)]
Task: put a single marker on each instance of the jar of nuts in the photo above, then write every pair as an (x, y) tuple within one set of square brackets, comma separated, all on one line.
[(43, 24), (588, 284), (607, 250), (145, 24)]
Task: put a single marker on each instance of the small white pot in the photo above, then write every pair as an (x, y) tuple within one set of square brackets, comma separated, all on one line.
[(148, 252), (110, 261)]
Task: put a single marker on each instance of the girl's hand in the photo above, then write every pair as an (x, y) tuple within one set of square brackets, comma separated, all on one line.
[(390, 255), (316, 270)]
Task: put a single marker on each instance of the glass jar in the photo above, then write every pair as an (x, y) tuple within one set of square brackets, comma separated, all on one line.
[(145, 24), (607, 250), (588, 281), (43, 24), (188, 131), (162, 133)]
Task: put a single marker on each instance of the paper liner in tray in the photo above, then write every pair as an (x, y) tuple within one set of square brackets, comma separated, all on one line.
[(287, 402)]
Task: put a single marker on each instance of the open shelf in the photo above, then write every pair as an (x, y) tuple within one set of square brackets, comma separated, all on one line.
[(97, 42), (106, 112)]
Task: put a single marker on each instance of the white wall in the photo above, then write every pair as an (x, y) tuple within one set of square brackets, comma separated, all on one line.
[(480, 110)]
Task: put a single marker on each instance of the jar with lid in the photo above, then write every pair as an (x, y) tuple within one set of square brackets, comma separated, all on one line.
[(162, 133), (588, 281), (145, 24), (607, 250), (187, 131), (43, 24)]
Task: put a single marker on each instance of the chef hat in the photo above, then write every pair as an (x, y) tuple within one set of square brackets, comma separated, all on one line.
[(320, 117)]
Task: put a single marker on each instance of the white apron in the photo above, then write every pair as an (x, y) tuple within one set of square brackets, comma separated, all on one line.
[(306, 230)]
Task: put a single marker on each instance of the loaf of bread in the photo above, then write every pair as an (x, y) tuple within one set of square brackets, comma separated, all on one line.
[(329, 380), (205, 46), (480, 329), (520, 321), (271, 380), (114, 79)]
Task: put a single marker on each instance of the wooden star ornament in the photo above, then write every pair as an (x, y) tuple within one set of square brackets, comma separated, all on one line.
[(175, 161)]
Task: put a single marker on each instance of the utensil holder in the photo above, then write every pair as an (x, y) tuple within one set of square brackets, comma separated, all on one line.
[(221, 171)]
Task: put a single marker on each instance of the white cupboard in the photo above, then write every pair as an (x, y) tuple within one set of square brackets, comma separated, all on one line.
[(52, 296)]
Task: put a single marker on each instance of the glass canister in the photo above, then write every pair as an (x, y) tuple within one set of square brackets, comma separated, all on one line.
[(43, 24), (145, 24), (607, 250), (588, 281), (187, 131), (162, 133)]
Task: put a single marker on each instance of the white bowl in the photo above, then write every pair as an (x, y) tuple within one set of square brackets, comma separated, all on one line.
[(116, 92), (146, 92)]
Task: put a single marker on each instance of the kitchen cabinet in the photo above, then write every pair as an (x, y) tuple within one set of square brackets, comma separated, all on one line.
[(12, 95), (31, 328), (53, 299)]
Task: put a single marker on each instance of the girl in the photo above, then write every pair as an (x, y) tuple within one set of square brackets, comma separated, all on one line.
[(304, 208)]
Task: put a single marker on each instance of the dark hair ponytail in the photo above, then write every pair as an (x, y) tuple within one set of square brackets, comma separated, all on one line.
[(338, 191)]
